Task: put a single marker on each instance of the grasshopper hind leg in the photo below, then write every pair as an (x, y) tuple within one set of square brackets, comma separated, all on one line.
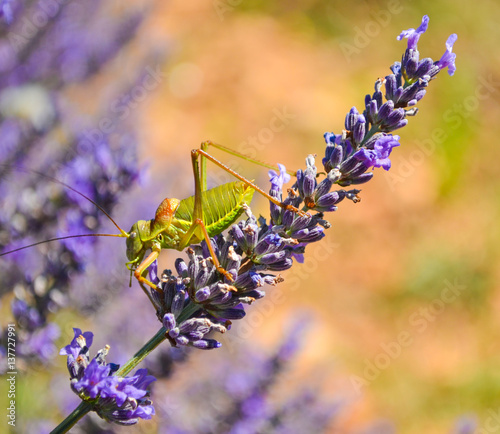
[(196, 153), (198, 223)]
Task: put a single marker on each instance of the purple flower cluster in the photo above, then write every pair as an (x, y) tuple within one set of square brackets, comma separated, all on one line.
[(252, 410), (199, 300), (366, 141), (243, 392), (122, 400), (47, 46)]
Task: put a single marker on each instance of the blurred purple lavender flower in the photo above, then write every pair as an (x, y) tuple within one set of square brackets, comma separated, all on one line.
[(465, 425), (122, 400), (6, 13), (47, 47), (244, 396)]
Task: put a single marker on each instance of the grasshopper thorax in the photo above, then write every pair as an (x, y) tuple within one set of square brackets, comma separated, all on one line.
[(145, 235)]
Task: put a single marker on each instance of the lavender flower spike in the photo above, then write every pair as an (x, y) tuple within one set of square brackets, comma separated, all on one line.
[(200, 300), (122, 400)]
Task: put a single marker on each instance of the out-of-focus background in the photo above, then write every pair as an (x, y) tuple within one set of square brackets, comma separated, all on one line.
[(403, 292)]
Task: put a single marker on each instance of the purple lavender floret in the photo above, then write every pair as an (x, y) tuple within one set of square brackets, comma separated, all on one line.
[(379, 155), (413, 35), (122, 400), (278, 180), (448, 58)]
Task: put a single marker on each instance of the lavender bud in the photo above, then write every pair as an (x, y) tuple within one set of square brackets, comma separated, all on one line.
[(385, 110), (351, 118), (178, 303), (424, 67), (193, 324), (181, 267), (272, 257), (203, 275), (282, 265), (328, 199), (169, 321), (300, 182), (361, 179), (300, 222), (269, 243), (323, 188), (349, 164), (310, 235), (390, 86), (174, 333), (309, 183), (287, 219), (359, 129), (182, 340), (206, 344), (251, 233), (238, 236), (202, 294)]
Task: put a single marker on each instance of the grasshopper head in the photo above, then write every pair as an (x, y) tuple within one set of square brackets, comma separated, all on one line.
[(136, 247), (145, 234)]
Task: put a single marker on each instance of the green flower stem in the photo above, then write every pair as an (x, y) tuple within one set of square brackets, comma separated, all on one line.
[(72, 418), (188, 312), (138, 357)]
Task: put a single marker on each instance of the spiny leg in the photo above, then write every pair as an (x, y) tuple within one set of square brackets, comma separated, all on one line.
[(200, 152), (143, 266), (205, 145), (186, 241), (200, 183), (141, 280)]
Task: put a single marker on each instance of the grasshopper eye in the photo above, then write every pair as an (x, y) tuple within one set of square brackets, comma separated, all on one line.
[(132, 235)]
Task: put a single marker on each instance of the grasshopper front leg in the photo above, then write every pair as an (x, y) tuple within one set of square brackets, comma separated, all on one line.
[(143, 266)]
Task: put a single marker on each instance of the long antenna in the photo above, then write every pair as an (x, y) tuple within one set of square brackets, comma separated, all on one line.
[(61, 238), (43, 175)]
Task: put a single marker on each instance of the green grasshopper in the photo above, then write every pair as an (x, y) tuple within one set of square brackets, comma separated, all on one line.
[(180, 223)]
